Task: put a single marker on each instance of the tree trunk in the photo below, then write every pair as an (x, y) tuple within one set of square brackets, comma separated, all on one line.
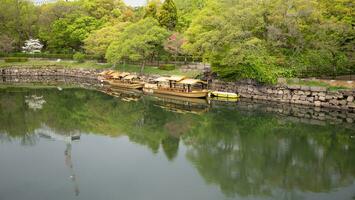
[(142, 66)]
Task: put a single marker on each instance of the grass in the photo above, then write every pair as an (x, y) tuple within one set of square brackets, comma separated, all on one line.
[(313, 83), (149, 70)]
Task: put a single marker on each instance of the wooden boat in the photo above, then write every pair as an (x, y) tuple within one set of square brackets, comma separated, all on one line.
[(122, 84), (227, 95), (186, 91), (175, 92)]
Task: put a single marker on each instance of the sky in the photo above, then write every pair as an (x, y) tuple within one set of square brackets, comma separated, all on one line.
[(135, 2)]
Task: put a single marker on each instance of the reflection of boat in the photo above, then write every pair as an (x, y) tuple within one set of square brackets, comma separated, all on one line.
[(181, 104), (124, 94), (179, 86)]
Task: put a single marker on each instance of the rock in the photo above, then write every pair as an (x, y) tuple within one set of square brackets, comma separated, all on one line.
[(350, 99), (318, 89), (321, 98), (317, 103), (295, 97), (294, 87), (305, 88), (333, 102)]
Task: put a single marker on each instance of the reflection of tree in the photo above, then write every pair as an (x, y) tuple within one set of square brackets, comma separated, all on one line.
[(243, 153), (69, 164), (257, 155), (170, 146)]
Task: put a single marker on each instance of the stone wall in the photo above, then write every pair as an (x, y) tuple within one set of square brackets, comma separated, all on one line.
[(49, 71), (296, 94)]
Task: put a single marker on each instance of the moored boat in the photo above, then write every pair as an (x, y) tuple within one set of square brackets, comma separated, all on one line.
[(227, 95), (180, 86), (122, 84), (181, 93)]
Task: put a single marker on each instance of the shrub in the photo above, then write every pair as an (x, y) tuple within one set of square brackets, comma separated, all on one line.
[(79, 57), (37, 55), (15, 59), (167, 67)]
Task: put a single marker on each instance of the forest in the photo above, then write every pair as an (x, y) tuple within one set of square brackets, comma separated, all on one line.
[(241, 39)]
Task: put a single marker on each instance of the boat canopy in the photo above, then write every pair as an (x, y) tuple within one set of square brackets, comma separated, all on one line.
[(176, 78), (130, 77), (162, 79), (191, 81), (108, 72), (119, 75)]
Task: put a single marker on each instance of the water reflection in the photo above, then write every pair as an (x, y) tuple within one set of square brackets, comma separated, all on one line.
[(245, 153)]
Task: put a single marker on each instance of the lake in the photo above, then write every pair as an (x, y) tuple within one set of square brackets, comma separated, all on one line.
[(74, 143)]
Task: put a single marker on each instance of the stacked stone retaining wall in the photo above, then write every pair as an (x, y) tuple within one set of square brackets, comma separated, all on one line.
[(296, 94)]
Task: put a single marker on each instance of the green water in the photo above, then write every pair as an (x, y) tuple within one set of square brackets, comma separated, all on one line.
[(149, 149)]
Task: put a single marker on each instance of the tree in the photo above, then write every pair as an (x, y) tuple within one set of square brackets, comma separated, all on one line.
[(49, 13), (104, 9), (138, 42), (99, 40), (32, 46), (18, 19), (6, 43), (187, 10), (69, 33), (152, 8), (174, 43), (168, 15)]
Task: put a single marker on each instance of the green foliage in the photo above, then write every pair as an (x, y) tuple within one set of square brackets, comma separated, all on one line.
[(151, 9), (137, 42), (167, 67), (98, 41), (261, 40), (79, 57), (18, 21), (252, 39), (68, 33), (168, 15), (15, 59)]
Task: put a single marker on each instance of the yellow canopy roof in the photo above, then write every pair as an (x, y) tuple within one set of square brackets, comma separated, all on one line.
[(108, 72), (130, 77), (176, 78), (161, 79), (119, 74), (191, 81)]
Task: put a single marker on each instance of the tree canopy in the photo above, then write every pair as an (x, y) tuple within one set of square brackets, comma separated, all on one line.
[(261, 40)]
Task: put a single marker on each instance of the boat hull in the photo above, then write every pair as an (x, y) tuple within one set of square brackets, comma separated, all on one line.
[(225, 95), (193, 94), (126, 85)]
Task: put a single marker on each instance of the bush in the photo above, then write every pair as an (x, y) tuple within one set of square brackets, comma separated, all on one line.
[(79, 57), (167, 67), (15, 59), (37, 55)]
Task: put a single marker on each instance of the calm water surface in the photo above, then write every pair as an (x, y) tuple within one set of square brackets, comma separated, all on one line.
[(149, 149)]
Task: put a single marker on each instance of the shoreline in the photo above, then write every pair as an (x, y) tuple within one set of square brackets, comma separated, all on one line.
[(314, 96)]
